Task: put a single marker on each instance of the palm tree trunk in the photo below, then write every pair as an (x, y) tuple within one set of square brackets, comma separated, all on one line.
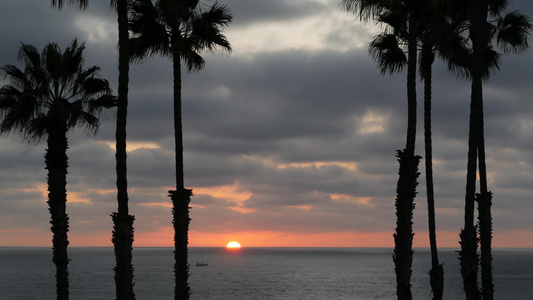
[(485, 238), (123, 222), (122, 108), (178, 127), (181, 220), (484, 200), (403, 238), (469, 241), (56, 162), (437, 272), (408, 174), (468, 255), (180, 197), (483, 186), (122, 241), (411, 80)]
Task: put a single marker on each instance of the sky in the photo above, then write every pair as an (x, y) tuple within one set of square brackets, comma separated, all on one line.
[(289, 140)]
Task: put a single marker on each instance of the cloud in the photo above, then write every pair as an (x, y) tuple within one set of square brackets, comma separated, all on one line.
[(293, 132)]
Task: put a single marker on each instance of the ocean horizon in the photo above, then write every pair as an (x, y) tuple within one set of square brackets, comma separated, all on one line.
[(255, 273)]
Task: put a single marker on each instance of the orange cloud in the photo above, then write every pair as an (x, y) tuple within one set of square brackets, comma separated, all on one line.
[(344, 197), (230, 192)]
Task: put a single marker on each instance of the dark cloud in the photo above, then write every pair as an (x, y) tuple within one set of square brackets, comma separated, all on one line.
[(246, 12), (307, 134)]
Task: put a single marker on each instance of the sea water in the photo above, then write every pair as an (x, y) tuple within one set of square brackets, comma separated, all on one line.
[(255, 273)]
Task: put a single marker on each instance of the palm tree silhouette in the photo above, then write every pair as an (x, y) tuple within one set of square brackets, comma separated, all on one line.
[(510, 31), (122, 220), (408, 173), (178, 30), (439, 35), (436, 35), (50, 96)]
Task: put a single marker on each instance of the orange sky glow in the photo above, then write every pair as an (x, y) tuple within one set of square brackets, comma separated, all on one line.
[(164, 237)]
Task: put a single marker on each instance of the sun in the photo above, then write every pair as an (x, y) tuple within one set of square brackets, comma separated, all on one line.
[(233, 245)]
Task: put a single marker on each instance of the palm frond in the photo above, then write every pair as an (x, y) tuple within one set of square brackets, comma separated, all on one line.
[(73, 59), (459, 61), (387, 53), (154, 42), (14, 76), (82, 75), (37, 99), (52, 59), (88, 122), (8, 98), (149, 35), (37, 129), (513, 31), (95, 86), (82, 4), (395, 20), (78, 117), (19, 110), (114, 3), (492, 61), (365, 9), (188, 51), (102, 104), (207, 28), (29, 55), (181, 28), (218, 15), (497, 6)]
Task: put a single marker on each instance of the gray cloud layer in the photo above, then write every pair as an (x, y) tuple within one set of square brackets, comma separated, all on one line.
[(312, 127)]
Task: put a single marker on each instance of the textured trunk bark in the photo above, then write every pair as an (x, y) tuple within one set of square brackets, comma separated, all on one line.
[(56, 161), (180, 214), (485, 238), (181, 197), (122, 241), (408, 174), (403, 238), (123, 222)]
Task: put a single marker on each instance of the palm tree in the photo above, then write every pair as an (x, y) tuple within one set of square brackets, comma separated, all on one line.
[(468, 255), (178, 30), (122, 220), (50, 96), (408, 173), (436, 36), (510, 32), (439, 35)]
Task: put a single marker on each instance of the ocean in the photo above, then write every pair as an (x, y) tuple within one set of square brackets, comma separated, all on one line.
[(255, 273)]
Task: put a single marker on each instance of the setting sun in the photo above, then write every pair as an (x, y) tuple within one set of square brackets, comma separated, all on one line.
[(233, 245)]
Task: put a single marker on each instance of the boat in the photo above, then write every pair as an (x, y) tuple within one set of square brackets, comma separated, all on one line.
[(201, 264)]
